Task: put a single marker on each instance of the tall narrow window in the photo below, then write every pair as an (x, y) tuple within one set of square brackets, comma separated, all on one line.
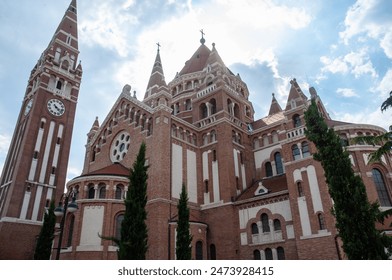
[(295, 152), (300, 189), (281, 255), (278, 163), (268, 254), (119, 220), (119, 191), (70, 230), (199, 250), (277, 225), (212, 252), (297, 121), (321, 221), (102, 190), (305, 149), (265, 223), (381, 188), (255, 228), (268, 169), (256, 255), (91, 192)]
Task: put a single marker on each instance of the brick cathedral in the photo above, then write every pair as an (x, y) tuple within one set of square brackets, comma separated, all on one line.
[(255, 191)]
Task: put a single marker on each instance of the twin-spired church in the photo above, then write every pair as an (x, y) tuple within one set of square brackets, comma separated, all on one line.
[(255, 191)]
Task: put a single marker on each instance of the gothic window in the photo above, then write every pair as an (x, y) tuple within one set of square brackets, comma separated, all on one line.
[(213, 106), (295, 152), (381, 188), (256, 255), (321, 221), (119, 191), (119, 220), (281, 255), (265, 223), (268, 254), (305, 149), (278, 163), (91, 192), (102, 190), (297, 121), (255, 228), (199, 250), (277, 225), (203, 111), (212, 252), (59, 85), (268, 169)]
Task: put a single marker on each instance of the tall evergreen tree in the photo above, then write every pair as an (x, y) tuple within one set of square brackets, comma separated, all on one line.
[(43, 248), (355, 215), (133, 244), (184, 238)]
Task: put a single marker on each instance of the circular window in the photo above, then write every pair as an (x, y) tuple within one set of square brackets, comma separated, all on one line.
[(120, 146)]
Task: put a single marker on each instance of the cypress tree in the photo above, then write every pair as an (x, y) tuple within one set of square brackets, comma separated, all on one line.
[(184, 239), (43, 247), (133, 243), (355, 215)]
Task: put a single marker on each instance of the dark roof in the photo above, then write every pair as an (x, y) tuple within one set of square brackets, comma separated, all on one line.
[(273, 184), (116, 169)]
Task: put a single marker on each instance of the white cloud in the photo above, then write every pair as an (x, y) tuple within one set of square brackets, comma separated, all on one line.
[(363, 19), (347, 92), (385, 86), (5, 141), (357, 63)]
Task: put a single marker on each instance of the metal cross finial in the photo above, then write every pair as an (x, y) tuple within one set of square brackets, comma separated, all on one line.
[(202, 33), (202, 40), (159, 45)]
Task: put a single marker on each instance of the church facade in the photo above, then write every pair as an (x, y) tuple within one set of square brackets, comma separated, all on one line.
[(255, 191)]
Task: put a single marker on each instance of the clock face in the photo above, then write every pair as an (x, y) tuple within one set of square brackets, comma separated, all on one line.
[(28, 107), (56, 107), (120, 146)]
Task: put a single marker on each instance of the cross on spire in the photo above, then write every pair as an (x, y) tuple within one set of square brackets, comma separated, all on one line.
[(159, 45), (202, 40)]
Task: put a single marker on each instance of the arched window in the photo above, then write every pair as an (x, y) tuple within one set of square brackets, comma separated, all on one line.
[(255, 228), (381, 188), (59, 85), (119, 220), (102, 190), (212, 252), (295, 152), (265, 223), (213, 106), (119, 191), (268, 254), (256, 255), (91, 192), (280, 252), (275, 137), (305, 149), (321, 221), (296, 121), (268, 169), (203, 111), (278, 163), (277, 225), (199, 250), (265, 140)]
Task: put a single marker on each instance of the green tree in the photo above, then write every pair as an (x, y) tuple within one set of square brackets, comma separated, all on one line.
[(132, 244), (43, 247), (355, 215), (184, 238), (383, 140)]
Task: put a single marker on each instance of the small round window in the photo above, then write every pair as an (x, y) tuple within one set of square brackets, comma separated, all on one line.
[(120, 146)]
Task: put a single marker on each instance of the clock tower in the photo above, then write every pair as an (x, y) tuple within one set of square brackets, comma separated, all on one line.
[(36, 165)]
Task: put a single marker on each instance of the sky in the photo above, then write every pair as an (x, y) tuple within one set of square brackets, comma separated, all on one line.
[(343, 48)]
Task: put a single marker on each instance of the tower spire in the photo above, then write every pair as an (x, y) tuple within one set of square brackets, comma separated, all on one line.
[(157, 78)]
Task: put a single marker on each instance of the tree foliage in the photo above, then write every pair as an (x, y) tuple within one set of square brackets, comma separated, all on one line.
[(132, 244), (43, 248), (184, 238), (355, 215)]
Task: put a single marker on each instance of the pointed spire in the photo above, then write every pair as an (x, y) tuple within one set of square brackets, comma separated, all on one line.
[(214, 57), (157, 78), (275, 107), (296, 96)]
